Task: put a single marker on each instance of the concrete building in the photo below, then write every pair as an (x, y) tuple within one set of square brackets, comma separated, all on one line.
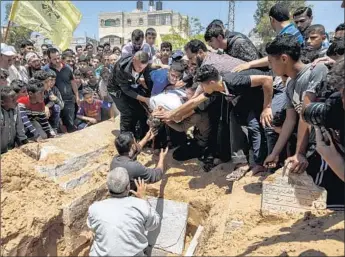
[(116, 27)]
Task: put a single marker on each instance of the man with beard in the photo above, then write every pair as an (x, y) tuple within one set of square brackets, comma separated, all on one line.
[(66, 85), (126, 92), (17, 71), (34, 63), (136, 44)]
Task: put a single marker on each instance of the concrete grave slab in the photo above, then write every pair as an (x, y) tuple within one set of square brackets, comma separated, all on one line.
[(285, 192), (170, 236)]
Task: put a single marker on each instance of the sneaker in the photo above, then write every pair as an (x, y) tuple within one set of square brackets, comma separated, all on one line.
[(188, 151)]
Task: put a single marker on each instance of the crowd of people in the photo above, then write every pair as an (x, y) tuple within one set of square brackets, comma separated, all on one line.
[(216, 101)]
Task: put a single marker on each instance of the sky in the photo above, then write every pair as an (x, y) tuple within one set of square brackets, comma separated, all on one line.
[(327, 13)]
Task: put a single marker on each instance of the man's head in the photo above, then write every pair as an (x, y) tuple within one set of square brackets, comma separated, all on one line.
[(218, 22), (209, 78), (113, 58), (140, 61), (44, 59), (33, 60), (67, 57), (197, 50), (315, 35), (336, 49), (278, 14), (176, 72), (336, 78), (105, 73), (8, 98), (283, 52), (44, 77), (340, 31), (137, 39), (150, 36), (54, 57), (166, 49), (95, 61), (89, 48), (18, 60), (77, 77), (3, 77), (44, 47), (117, 51), (303, 17), (20, 87), (118, 182), (106, 47), (91, 76), (215, 37), (26, 46), (6, 56), (36, 91), (105, 59), (79, 50), (125, 143), (88, 95), (83, 62), (100, 49)]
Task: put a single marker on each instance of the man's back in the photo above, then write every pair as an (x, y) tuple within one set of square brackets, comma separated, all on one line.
[(120, 224), (222, 62)]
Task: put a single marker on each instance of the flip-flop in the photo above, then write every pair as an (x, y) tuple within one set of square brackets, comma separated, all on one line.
[(237, 174)]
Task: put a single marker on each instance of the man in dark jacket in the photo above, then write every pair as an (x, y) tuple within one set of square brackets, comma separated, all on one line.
[(127, 93)]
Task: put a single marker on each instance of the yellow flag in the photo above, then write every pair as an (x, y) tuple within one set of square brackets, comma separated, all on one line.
[(54, 19)]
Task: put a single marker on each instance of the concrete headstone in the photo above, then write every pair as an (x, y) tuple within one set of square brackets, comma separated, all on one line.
[(170, 235), (285, 192)]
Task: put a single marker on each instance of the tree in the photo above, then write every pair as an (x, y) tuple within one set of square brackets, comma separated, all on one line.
[(193, 28), (262, 21), (16, 33)]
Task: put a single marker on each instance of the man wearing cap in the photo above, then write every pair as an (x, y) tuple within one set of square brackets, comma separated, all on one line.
[(17, 71), (6, 57), (119, 223), (34, 63)]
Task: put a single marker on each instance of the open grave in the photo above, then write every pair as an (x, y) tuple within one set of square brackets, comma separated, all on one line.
[(47, 188)]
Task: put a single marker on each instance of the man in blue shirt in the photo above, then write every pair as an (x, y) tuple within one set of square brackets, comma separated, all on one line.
[(280, 21)]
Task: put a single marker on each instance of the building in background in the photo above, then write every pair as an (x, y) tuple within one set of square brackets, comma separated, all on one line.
[(116, 27)]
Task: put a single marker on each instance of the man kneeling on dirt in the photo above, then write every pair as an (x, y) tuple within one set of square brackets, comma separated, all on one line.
[(119, 223)]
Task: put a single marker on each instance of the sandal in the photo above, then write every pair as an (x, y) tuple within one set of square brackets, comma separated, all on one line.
[(237, 174)]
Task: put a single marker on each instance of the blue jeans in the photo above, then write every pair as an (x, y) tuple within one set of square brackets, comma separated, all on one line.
[(54, 118)]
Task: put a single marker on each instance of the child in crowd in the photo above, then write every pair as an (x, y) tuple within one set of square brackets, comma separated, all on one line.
[(12, 129), (164, 58), (31, 109), (90, 109), (150, 39), (20, 87), (315, 36)]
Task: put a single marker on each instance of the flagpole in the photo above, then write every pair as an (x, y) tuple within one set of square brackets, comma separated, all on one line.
[(7, 30)]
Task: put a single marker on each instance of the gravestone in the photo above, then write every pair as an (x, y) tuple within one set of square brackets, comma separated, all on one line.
[(170, 235), (285, 192)]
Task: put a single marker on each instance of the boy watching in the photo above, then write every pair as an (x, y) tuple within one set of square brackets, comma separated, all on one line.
[(31, 109), (284, 55), (165, 55), (12, 129), (90, 109), (315, 36), (20, 87), (150, 38)]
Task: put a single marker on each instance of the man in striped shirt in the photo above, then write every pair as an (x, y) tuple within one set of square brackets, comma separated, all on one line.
[(31, 109)]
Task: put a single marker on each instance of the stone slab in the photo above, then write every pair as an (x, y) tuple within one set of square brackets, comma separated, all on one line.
[(81, 176), (170, 236), (285, 192)]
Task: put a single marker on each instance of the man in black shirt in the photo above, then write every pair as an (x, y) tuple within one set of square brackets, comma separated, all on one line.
[(128, 148), (125, 91), (234, 44)]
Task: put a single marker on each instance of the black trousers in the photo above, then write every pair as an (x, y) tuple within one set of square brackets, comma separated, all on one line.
[(68, 115), (131, 112)]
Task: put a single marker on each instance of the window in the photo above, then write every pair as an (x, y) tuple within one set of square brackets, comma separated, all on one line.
[(129, 22), (102, 22), (109, 23), (141, 22), (117, 22)]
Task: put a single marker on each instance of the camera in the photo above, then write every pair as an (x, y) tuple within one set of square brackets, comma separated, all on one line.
[(328, 114)]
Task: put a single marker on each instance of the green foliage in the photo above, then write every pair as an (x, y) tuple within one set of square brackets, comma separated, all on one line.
[(16, 33), (262, 21), (195, 29)]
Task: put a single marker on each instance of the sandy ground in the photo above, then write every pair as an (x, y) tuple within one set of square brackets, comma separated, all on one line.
[(232, 220)]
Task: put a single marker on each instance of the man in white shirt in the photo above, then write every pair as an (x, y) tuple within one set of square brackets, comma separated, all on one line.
[(120, 222)]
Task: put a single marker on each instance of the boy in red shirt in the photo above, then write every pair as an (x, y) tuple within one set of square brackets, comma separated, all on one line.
[(90, 109), (31, 109)]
